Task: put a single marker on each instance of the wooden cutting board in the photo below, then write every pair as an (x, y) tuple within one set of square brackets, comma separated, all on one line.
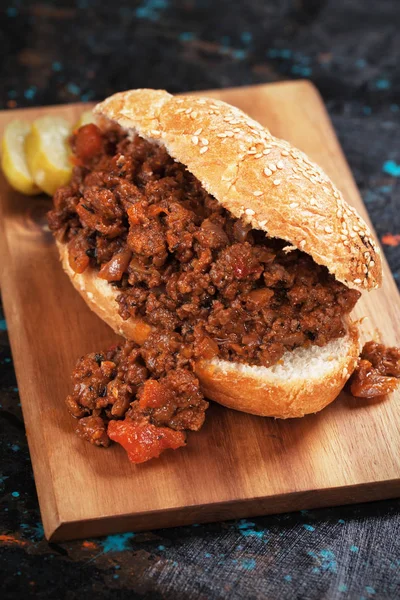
[(237, 465)]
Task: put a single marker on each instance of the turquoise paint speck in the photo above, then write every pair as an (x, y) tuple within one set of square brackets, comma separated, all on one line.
[(161, 547), (7, 360), (186, 36), (15, 447), (272, 53), (117, 543), (115, 576), (286, 53), (30, 92), (316, 570), (246, 37), (73, 89), (361, 63), (207, 555), (3, 325), (12, 11), (15, 389), (341, 522), (56, 66), (367, 110), (239, 54), (15, 494), (391, 168), (288, 578), (370, 590), (353, 548), (383, 84), (150, 9), (394, 107), (243, 524), (308, 527), (249, 564), (342, 587)]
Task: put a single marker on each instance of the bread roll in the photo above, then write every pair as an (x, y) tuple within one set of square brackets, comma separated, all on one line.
[(275, 188)]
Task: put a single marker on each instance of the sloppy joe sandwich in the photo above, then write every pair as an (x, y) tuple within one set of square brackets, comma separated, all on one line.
[(225, 256)]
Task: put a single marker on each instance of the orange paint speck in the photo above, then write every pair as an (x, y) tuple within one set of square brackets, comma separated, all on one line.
[(10, 539), (391, 240), (89, 545), (11, 104)]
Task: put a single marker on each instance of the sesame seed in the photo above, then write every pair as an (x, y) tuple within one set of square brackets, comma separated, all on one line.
[(293, 204), (188, 111), (352, 234), (365, 283), (257, 193), (346, 242), (249, 211), (194, 115), (284, 153), (155, 131), (302, 243), (229, 133), (372, 263), (221, 135), (227, 119), (180, 110), (198, 131), (276, 181), (214, 105), (267, 172), (272, 166), (237, 130), (313, 201), (328, 229), (195, 140), (203, 149), (262, 223), (279, 164), (204, 141), (267, 151), (258, 155), (355, 228), (357, 281), (201, 101)]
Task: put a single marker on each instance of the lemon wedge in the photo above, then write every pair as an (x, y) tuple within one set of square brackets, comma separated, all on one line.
[(85, 118), (13, 160), (48, 154)]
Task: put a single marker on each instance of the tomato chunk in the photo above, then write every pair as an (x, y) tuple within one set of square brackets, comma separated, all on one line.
[(142, 440), (88, 142)]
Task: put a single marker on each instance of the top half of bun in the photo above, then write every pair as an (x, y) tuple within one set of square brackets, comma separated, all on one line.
[(257, 177)]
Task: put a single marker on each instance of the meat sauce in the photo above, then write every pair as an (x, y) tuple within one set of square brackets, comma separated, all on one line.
[(118, 395), (208, 283), (377, 372), (183, 263)]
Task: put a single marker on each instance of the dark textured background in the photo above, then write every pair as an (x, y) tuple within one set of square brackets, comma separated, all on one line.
[(55, 52)]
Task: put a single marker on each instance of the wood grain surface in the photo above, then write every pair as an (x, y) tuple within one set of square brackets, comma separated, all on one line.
[(237, 465)]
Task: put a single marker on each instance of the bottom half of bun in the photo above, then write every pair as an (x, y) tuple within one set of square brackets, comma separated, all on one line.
[(304, 381)]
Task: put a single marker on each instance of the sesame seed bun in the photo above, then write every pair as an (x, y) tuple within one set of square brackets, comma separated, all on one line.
[(256, 176)]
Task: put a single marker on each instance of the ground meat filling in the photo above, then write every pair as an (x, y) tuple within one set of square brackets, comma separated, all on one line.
[(118, 395), (184, 264), (378, 371)]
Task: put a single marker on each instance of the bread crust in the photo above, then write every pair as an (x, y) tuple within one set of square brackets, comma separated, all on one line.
[(257, 177), (257, 391)]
